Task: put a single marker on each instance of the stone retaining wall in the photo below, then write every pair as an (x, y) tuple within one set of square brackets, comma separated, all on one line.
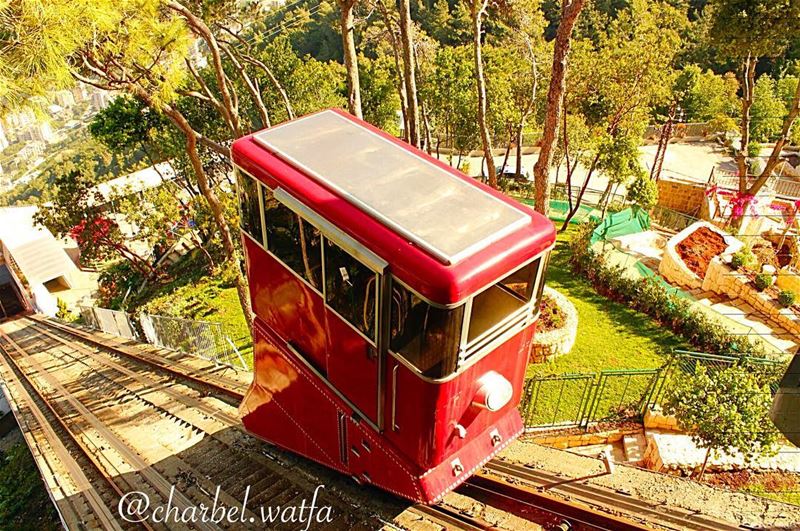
[(720, 278), (573, 440), (554, 343), (673, 268), (680, 195)]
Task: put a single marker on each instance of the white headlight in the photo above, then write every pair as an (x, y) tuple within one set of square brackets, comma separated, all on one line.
[(494, 391)]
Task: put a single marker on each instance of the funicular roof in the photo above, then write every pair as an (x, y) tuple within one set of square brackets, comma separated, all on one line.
[(445, 234), (435, 209)]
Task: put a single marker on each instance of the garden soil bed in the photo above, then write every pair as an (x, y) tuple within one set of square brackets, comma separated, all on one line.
[(699, 248)]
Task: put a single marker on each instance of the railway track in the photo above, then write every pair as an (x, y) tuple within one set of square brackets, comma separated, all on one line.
[(530, 494), (194, 440)]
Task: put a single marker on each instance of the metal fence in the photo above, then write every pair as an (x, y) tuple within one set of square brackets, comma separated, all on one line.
[(202, 338), (109, 321), (571, 400), (783, 187), (581, 399), (205, 339), (671, 219)]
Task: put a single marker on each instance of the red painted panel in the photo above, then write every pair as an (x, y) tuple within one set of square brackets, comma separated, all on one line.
[(352, 365), (285, 406), (426, 413), (287, 304)]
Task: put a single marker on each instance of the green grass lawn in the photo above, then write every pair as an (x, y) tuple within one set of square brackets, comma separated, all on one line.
[(610, 335), (206, 298)]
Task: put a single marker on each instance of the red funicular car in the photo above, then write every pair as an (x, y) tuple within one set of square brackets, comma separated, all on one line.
[(394, 298)]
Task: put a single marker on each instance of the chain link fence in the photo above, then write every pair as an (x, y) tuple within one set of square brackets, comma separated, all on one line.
[(205, 339), (202, 338), (109, 321)]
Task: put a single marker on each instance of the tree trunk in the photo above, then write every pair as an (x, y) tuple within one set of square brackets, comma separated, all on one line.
[(705, 465), (748, 82), (199, 27), (346, 25), (518, 162), (409, 75), (541, 171), (774, 158), (578, 200), (209, 194), (478, 8)]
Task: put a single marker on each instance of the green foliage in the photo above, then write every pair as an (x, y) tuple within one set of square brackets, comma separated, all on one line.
[(23, 502), (63, 312), (768, 110), (651, 297), (380, 102), (761, 28), (763, 280), (643, 191), (786, 298), (706, 96), (725, 410), (744, 259)]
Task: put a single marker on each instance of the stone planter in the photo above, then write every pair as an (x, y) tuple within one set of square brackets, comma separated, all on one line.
[(551, 344), (720, 278), (675, 270)]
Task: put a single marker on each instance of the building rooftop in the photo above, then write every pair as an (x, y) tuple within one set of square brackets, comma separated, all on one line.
[(138, 181), (36, 251), (435, 209)]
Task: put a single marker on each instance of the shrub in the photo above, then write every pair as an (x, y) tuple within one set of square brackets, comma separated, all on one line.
[(763, 281), (651, 297), (744, 259), (63, 312), (643, 191), (551, 316), (765, 253), (786, 298)]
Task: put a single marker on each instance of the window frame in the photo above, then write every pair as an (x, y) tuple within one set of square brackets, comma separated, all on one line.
[(259, 184), (500, 333)]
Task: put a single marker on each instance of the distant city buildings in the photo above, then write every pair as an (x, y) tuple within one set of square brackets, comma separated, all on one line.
[(38, 132), (64, 98), (3, 139), (100, 100), (31, 151)]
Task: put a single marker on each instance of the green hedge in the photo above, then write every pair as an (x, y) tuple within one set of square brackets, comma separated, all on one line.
[(651, 297)]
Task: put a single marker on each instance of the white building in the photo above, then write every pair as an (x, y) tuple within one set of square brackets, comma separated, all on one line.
[(31, 151), (105, 193), (3, 138), (100, 100), (64, 98), (34, 251), (80, 92), (39, 132)]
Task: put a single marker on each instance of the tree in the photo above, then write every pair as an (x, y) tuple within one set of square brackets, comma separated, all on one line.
[(745, 31), (136, 46), (704, 95), (75, 212), (643, 191), (616, 82), (409, 72), (347, 28), (570, 9), (477, 10), (725, 410), (768, 110)]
